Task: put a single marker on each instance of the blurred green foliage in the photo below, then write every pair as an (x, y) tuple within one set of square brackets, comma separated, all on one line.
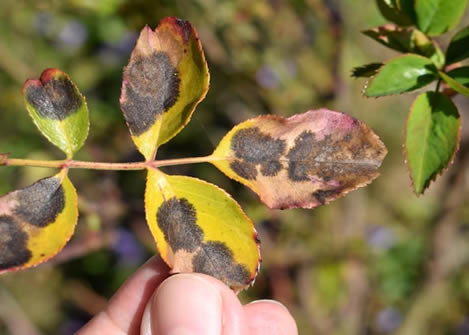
[(379, 261)]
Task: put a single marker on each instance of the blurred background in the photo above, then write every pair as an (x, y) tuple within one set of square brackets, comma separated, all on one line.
[(378, 261)]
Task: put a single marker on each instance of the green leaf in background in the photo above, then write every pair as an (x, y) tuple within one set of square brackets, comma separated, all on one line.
[(407, 7), (402, 74), (461, 75), (458, 48), (36, 222), (198, 227), (392, 11), (58, 109), (167, 76), (407, 40), (454, 84), (435, 17), (432, 137), (366, 71)]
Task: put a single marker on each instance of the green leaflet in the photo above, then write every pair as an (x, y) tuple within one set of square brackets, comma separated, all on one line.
[(435, 17), (407, 40), (461, 75), (58, 109), (402, 74), (394, 12), (454, 84), (432, 137), (458, 48)]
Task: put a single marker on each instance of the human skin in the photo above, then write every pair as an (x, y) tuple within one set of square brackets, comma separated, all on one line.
[(152, 302)]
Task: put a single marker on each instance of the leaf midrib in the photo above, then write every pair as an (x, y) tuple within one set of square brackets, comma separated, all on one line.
[(421, 164)]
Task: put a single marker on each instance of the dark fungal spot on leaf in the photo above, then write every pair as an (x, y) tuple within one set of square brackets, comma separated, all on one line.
[(304, 147), (13, 243), (177, 220), (215, 259), (243, 169), (324, 195), (151, 86), (56, 99), (344, 159), (40, 203), (252, 146)]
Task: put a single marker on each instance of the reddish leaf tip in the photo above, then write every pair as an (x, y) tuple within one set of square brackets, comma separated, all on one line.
[(29, 83), (46, 76), (180, 27)]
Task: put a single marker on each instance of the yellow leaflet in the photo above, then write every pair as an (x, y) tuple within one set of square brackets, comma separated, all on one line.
[(36, 222), (167, 76), (198, 227)]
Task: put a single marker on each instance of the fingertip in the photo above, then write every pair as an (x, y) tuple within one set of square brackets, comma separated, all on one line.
[(269, 317), (193, 303), (186, 304)]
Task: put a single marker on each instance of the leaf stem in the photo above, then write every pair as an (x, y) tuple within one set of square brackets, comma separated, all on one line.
[(72, 164), (437, 89)]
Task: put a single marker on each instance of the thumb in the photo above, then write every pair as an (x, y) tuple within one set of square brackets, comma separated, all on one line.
[(190, 304)]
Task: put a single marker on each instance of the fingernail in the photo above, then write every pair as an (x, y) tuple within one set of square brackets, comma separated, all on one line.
[(270, 301), (186, 304)]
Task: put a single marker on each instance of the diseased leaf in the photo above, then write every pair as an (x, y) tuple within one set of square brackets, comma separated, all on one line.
[(167, 76), (36, 222), (58, 109), (435, 17), (454, 84), (461, 75), (304, 161), (198, 227), (407, 40), (392, 11), (458, 49), (402, 74), (367, 70), (432, 137)]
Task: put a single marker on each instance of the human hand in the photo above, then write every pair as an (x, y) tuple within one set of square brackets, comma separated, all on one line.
[(152, 303)]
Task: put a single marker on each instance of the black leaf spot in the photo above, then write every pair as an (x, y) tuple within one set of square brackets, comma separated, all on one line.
[(153, 88), (215, 259), (243, 169), (40, 203), (13, 244), (253, 146), (56, 100), (177, 220)]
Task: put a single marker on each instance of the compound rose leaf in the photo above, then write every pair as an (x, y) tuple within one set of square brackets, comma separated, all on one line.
[(304, 161), (167, 76), (36, 222), (198, 227), (58, 109)]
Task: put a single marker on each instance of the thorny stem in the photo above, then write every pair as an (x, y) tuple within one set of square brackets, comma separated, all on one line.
[(72, 164)]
